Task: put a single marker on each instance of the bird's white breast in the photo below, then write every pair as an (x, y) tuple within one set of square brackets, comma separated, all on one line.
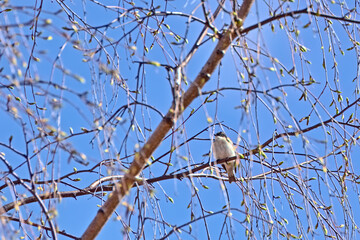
[(222, 148)]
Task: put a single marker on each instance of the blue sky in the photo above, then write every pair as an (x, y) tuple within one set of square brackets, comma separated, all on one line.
[(63, 64)]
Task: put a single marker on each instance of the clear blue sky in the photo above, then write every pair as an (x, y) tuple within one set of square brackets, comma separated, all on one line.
[(254, 127)]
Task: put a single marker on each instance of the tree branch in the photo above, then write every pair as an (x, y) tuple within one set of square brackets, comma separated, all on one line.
[(177, 108)]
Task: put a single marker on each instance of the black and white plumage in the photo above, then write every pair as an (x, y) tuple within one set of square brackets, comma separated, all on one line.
[(222, 148)]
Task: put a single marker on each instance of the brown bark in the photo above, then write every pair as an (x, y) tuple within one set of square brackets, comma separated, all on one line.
[(166, 124)]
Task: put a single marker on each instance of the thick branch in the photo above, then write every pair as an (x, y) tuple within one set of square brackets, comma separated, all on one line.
[(165, 125)]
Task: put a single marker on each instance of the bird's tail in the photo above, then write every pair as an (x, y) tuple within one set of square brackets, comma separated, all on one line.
[(229, 168), (231, 177)]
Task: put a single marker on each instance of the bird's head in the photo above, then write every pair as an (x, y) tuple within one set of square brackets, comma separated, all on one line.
[(220, 134)]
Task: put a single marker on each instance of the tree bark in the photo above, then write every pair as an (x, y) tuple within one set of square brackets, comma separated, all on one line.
[(177, 108)]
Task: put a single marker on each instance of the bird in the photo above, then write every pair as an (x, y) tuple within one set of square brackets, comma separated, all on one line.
[(222, 148)]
